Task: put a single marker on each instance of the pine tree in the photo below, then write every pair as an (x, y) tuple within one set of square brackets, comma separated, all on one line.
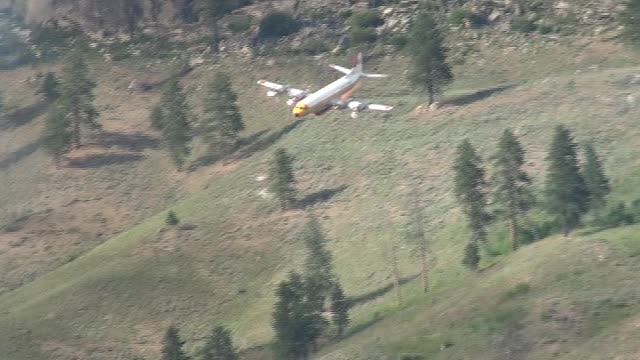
[(565, 188), (157, 117), (215, 10), (57, 135), (77, 95), (630, 18), (512, 183), (297, 318), (595, 179), (318, 263), (430, 68), (219, 346), (222, 120), (417, 236), (470, 190), (340, 308), (172, 346), (471, 255), (176, 128), (283, 179), (172, 218), (49, 88)]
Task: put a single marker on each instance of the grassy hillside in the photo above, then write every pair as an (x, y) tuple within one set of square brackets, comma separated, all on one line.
[(572, 298)]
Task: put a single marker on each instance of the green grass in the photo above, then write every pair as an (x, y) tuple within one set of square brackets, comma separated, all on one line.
[(122, 295)]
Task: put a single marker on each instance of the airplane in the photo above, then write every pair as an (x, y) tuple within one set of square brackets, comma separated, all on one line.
[(336, 95)]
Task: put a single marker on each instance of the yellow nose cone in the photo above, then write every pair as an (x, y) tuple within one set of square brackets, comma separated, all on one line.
[(300, 110)]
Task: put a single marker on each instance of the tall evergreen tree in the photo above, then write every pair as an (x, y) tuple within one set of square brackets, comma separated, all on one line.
[(57, 134), (172, 346), (470, 190), (77, 94), (429, 55), (340, 308), (297, 319), (630, 18), (513, 191), (176, 127), (595, 179), (219, 346), (222, 120), (49, 88), (215, 10), (283, 179), (318, 263), (565, 188), (417, 236)]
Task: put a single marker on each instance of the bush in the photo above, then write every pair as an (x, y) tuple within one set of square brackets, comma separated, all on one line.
[(616, 215), (314, 47), (366, 19), (239, 23), (363, 36), (399, 40), (523, 24), (458, 17), (172, 219), (545, 29), (278, 24), (538, 231)]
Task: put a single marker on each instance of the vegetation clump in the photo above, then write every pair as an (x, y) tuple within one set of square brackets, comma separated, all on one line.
[(278, 24)]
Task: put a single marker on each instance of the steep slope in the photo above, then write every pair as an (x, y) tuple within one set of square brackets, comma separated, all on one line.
[(116, 300)]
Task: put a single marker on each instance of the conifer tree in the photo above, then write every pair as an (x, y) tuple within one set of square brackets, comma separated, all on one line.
[(340, 309), (470, 190), (512, 183), (172, 346), (565, 188), (630, 18), (318, 263), (471, 257), (176, 127), (57, 135), (297, 318), (595, 179), (417, 236), (282, 179), (222, 120), (49, 88), (77, 95), (172, 218), (219, 346), (430, 69)]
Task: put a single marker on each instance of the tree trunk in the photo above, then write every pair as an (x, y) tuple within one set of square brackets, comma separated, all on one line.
[(396, 273), (425, 269), (513, 233)]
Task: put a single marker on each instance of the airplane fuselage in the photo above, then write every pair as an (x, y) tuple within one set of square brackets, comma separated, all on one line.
[(321, 100)]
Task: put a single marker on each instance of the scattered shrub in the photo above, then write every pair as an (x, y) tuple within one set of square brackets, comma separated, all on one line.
[(363, 36), (366, 19), (545, 29), (523, 24), (239, 23), (278, 24), (538, 231), (458, 17), (399, 40), (616, 215), (314, 47)]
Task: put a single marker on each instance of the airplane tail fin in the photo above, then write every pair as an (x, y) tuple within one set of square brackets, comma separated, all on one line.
[(357, 66)]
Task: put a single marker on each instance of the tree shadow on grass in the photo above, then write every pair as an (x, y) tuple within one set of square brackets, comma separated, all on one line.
[(355, 330), (101, 160), (477, 95), (320, 196), (19, 154), (210, 159), (366, 297), (136, 142), (24, 115), (265, 142)]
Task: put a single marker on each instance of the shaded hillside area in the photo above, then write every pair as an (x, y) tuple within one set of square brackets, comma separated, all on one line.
[(131, 276)]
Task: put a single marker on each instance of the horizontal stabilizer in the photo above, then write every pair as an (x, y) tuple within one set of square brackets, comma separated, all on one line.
[(272, 93), (375, 76), (379, 107), (340, 68)]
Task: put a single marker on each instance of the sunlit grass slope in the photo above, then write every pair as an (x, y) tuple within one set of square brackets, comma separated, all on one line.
[(571, 297)]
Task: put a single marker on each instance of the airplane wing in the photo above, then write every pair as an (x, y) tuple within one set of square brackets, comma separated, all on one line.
[(358, 106), (277, 89)]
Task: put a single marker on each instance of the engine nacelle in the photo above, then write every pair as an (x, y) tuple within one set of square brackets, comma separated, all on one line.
[(356, 106)]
